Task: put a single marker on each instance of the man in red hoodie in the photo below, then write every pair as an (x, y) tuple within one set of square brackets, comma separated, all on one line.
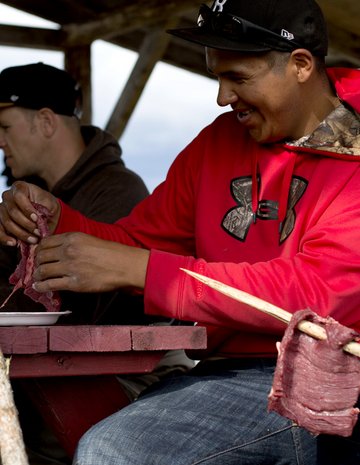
[(265, 199)]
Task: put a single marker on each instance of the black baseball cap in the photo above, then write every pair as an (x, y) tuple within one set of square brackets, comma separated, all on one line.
[(37, 86), (260, 26)]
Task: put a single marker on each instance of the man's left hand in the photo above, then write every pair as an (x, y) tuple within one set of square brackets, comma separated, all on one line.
[(83, 263)]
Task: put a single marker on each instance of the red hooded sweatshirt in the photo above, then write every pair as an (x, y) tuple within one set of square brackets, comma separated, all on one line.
[(279, 221)]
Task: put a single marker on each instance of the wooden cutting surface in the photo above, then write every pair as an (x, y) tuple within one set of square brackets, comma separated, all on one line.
[(85, 349)]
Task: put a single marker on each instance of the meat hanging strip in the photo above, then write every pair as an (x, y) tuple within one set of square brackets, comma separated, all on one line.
[(316, 381), (23, 274)]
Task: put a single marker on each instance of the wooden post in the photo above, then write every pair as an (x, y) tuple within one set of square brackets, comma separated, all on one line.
[(12, 449), (78, 64), (151, 51)]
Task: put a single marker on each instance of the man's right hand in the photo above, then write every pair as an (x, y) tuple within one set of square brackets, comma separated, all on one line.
[(18, 218)]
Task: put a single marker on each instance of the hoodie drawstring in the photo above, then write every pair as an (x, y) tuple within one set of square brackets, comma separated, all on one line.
[(254, 186), (285, 189)]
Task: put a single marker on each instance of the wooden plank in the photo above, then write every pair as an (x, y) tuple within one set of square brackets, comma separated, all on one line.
[(151, 51), (31, 37), (87, 338), (344, 13), (168, 337), (66, 364), (344, 45), (132, 16), (23, 340), (58, 11), (78, 64)]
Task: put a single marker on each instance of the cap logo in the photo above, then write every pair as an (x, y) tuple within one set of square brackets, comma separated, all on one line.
[(287, 35), (219, 5), (14, 98)]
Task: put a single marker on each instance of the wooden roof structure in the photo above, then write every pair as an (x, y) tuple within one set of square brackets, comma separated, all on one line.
[(140, 25)]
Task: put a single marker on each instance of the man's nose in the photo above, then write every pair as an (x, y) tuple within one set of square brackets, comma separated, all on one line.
[(226, 95)]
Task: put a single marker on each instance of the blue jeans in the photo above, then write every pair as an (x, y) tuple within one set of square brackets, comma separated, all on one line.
[(211, 417)]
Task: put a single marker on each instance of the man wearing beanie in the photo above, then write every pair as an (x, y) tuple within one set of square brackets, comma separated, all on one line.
[(44, 141), (265, 199)]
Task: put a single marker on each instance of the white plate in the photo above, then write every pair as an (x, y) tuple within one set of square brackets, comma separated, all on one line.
[(30, 318)]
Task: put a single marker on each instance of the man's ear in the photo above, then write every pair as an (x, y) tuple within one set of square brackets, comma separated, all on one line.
[(304, 64), (47, 121)]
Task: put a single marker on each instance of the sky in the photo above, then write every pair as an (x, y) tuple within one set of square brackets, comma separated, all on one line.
[(174, 107)]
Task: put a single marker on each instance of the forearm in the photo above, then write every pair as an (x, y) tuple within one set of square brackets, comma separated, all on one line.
[(292, 284), (72, 220)]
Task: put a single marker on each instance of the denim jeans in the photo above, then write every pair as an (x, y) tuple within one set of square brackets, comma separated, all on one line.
[(210, 417)]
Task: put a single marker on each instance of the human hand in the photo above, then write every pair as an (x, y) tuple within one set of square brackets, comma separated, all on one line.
[(83, 263), (18, 215)]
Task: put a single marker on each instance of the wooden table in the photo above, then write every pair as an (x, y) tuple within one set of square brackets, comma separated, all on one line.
[(68, 371), (43, 351)]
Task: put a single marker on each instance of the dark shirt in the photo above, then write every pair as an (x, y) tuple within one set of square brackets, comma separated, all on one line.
[(101, 187)]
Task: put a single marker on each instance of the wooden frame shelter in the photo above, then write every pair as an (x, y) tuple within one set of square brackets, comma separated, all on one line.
[(140, 25)]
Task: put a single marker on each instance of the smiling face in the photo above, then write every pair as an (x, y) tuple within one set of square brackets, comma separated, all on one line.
[(263, 89)]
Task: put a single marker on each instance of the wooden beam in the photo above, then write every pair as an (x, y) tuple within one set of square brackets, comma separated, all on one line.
[(151, 51), (78, 64), (31, 37), (343, 13), (342, 19), (345, 43), (143, 13)]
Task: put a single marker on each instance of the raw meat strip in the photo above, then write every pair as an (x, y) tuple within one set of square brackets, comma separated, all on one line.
[(23, 274), (316, 383)]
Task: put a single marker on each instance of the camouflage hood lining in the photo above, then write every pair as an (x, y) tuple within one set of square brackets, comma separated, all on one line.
[(338, 133)]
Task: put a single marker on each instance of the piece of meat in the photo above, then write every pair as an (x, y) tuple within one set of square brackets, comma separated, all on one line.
[(23, 274), (316, 383)]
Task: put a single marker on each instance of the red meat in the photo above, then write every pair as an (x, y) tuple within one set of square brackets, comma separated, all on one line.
[(23, 274), (316, 383)]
